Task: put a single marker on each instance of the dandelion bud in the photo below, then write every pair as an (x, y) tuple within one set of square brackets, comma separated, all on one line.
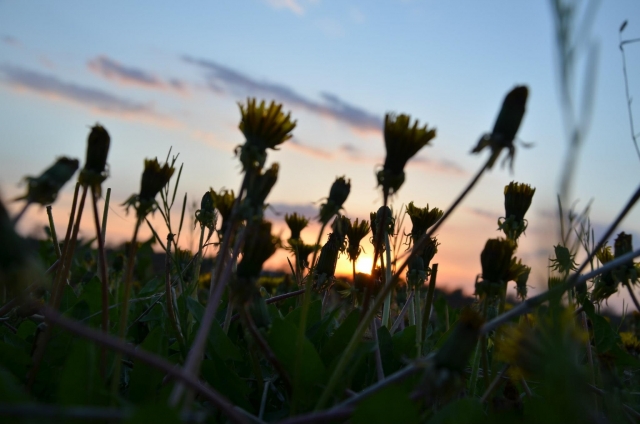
[(258, 247), (517, 199), (337, 196), (206, 215), (154, 178), (506, 126), (94, 172), (622, 245), (296, 224), (496, 259), (402, 142), (422, 219), (341, 227), (564, 261), (224, 201), (44, 189)]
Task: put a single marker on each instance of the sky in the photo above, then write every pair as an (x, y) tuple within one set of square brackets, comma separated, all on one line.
[(159, 76)]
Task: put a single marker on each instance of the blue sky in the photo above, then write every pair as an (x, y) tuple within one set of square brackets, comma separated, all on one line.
[(157, 75)]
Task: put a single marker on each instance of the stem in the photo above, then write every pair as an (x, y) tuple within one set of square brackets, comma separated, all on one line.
[(148, 358), (374, 336), (303, 325), (475, 369), (58, 286), (633, 296), (416, 307), (15, 219), (494, 384), (357, 335), (486, 372), (169, 298), (429, 303), (105, 214), (133, 247), (196, 272), (104, 279), (54, 236), (386, 309), (402, 313)]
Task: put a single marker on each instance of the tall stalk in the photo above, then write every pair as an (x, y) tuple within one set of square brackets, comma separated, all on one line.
[(104, 278)]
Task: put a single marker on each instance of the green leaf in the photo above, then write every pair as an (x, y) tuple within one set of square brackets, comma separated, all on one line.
[(462, 411), (389, 405), (218, 341), (340, 338), (144, 380), (404, 343), (385, 343), (14, 359), (604, 335), (11, 390), (80, 382), (154, 413), (282, 340), (227, 382), (313, 317)]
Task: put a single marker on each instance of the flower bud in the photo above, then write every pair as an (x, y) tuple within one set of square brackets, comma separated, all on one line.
[(296, 224), (422, 219), (337, 196), (496, 259), (44, 188), (356, 233), (206, 215), (94, 172)]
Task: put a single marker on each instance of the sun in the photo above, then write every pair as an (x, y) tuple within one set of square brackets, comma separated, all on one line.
[(364, 264)]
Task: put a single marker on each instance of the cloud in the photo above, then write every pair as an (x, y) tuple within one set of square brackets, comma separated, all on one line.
[(11, 41), (113, 70), (484, 213), (212, 140), (276, 211), (292, 5), (442, 165), (53, 87), (221, 78)]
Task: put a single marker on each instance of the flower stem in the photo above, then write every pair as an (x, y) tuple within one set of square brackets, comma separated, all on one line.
[(104, 279), (386, 310), (416, 307), (54, 235), (124, 312), (429, 302), (169, 298)]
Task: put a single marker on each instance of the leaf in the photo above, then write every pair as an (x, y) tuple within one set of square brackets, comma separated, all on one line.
[(227, 382), (385, 343), (340, 338), (218, 341), (144, 380), (389, 405), (313, 317), (80, 382), (604, 336), (154, 413), (282, 340), (14, 359), (404, 343), (462, 411), (11, 390)]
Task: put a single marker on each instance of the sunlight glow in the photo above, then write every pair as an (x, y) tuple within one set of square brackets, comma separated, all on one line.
[(364, 264)]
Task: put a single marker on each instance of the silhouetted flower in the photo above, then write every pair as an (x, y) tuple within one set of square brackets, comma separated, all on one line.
[(517, 200), (224, 201), (94, 171), (496, 259), (296, 224), (263, 127), (337, 195), (506, 126), (206, 215), (422, 219), (154, 178), (358, 231), (44, 188), (258, 188), (402, 141)]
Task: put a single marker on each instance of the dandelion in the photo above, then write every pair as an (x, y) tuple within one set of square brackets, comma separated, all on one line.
[(422, 219), (44, 188), (356, 233), (258, 188), (517, 200), (206, 215), (337, 196), (506, 127), (154, 178), (564, 261), (496, 259), (296, 224), (264, 128), (402, 142), (94, 171), (224, 201)]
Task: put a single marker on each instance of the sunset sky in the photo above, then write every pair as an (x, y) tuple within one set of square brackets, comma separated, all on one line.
[(160, 76)]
